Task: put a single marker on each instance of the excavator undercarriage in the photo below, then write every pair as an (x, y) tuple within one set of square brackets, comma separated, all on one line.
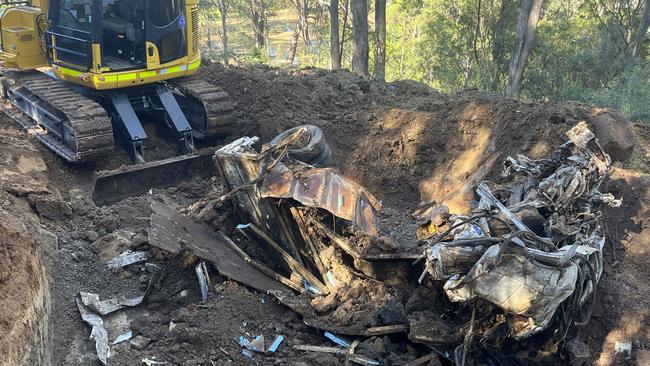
[(82, 125)]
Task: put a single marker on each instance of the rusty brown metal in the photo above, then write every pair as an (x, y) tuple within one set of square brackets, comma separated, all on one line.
[(326, 189)]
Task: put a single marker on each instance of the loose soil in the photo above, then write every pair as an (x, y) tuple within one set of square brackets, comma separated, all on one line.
[(407, 144)]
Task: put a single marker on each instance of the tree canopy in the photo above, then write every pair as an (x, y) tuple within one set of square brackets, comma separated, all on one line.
[(588, 50)]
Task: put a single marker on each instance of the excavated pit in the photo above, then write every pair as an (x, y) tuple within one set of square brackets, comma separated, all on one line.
[(406, 143)]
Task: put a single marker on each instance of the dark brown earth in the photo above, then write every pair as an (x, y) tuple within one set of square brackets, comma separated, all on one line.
[(408, 144)]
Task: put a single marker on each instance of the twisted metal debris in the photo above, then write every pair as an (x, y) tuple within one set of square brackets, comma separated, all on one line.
[(529, 257)]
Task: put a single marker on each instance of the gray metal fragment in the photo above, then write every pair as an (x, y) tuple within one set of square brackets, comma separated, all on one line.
[(123, 337), (98, 332), (256, 345), (105, 307), (204, 281), (149, 362), (128, 258)]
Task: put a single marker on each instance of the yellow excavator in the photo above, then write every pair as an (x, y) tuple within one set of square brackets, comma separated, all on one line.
[(82, 74)]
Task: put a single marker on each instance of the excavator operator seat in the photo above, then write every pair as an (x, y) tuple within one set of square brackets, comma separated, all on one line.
[(122, 17)]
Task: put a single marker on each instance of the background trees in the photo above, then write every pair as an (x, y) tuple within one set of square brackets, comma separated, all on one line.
[(380, 39), (529, 12), (590, 50), (360, 48)]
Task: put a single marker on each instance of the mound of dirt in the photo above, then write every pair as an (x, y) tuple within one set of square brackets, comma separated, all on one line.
[(404, 141)]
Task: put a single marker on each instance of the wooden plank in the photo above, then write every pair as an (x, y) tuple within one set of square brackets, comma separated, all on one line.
[(286, 227), (168, 229), (338, 240), (263, 268), (387, 329), (310, 348)]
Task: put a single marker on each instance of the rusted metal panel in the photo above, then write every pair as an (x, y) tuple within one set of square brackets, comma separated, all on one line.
[(324, 188)]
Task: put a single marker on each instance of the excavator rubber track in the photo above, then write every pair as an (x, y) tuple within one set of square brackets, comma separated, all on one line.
[(88, 130), (217, 105)]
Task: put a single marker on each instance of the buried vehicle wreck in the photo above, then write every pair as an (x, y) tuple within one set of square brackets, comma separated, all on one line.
[(517, 273), (509, 282), (528, 261)]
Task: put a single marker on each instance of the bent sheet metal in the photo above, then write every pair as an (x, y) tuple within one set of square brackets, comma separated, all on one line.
[(324, 188)]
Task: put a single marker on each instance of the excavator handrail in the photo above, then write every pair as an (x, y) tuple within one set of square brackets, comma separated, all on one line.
[(83, 52), (74, 30), (15, 3)]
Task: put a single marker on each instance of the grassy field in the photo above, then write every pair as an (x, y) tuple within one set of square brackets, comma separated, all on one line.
[(241, 42)]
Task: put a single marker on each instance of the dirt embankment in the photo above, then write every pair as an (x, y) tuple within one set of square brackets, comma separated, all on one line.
[(404, 141), (25, 333)]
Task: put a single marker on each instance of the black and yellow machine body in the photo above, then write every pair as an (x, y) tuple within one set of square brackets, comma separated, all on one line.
[(134, 43), (88, 71)]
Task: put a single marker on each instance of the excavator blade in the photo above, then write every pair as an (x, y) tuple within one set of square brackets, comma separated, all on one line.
[(133, 180)]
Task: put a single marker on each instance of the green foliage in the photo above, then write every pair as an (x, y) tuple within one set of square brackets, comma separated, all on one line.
[(255, 56), (438, 42), (578, 54), (582, 49), (629, 92)]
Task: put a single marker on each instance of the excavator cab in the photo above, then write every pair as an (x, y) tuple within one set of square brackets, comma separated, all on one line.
[(108, 44), (131, 33)]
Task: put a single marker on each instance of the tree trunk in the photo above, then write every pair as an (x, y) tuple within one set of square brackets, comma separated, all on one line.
[(335, 55), (302, 10), (258, 22), (345, 24), (380, 33), (499, 60), (208, 30), (643, 30), (223, 9), (294, 42), (529, 12), (262, 34), (360, 37), (477, 33), (305, 22)]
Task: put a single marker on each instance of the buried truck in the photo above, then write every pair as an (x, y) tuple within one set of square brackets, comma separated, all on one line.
[(508, 282)]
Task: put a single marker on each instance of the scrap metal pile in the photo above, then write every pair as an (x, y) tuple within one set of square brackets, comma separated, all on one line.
[(530, 255), (522, 266), (516, 274)]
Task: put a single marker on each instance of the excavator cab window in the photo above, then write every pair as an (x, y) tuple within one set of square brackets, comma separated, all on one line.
[(76, 16), (123, 42), (128, 24), (166, 27), (70, 38), (165, 12), (121, 27)]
